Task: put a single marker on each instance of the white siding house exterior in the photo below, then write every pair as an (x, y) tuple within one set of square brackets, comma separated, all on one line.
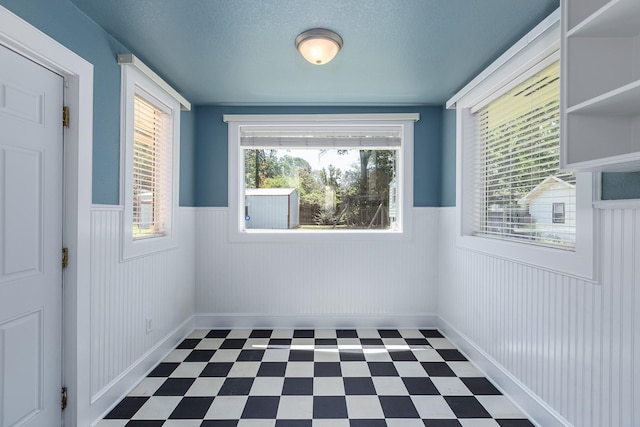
[(552, 205), (272, 208)]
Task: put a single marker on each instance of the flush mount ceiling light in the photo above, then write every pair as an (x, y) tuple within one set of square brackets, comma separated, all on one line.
[(318, 45)]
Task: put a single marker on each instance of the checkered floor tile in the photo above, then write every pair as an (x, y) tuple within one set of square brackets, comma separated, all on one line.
[(315, 378)]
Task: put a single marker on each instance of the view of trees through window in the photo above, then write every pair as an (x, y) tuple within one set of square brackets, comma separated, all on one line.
[(334, 188)]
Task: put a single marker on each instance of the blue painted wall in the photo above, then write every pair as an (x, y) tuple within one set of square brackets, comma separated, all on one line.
[(203, 159), (187, 158), (620, 186), (212, 152), (63, 22), (448, 192)]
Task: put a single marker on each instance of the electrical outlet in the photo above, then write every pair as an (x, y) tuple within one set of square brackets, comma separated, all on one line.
[(148, 325)]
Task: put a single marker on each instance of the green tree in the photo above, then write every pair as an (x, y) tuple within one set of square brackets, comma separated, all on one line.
[(260, 165)]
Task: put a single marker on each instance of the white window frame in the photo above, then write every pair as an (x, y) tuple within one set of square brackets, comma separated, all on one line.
[(237, 233), (539, 47), (136, 82)]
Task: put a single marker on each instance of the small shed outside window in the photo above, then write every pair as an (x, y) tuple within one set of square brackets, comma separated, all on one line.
[(272, 208)]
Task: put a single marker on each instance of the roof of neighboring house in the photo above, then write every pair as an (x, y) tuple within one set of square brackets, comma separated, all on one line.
[(269, 191), (546, 184)]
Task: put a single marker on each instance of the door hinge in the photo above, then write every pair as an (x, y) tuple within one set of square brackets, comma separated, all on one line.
[(65, 117), (65, 257), (63, 398)]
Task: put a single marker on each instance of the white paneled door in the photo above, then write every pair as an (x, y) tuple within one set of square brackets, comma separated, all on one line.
[(31, 136)]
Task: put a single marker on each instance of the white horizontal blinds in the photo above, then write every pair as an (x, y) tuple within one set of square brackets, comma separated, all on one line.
[(517, 177), (343, 137), (152, 133)]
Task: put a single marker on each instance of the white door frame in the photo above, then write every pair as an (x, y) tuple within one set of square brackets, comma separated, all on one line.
[(23, 38)]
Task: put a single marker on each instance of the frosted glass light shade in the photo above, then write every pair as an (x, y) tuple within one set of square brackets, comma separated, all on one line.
[(318, 46)]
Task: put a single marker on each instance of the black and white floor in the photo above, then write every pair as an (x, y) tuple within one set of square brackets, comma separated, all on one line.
[(315, 378)]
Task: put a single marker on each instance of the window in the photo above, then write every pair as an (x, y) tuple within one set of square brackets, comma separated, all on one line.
[(518, 177), (558, 213), (320, 175), (150, 144), (513, 201), (151, 149)]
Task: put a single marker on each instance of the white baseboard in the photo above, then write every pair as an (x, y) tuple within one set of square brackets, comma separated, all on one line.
[(315, 321), (117, 389), (529, 403)]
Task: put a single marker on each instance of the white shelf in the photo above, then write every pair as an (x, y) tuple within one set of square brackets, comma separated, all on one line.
[(624, 101), (600, 113), (621, 163), (617, 18)]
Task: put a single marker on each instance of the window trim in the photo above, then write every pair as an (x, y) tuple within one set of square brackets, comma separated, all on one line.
[(136, 82), (537, 47), (236, 176)]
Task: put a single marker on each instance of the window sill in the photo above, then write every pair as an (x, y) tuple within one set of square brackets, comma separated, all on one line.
[(578, 263), (313, 236), (138, 247), (297, 236), (148, 246)]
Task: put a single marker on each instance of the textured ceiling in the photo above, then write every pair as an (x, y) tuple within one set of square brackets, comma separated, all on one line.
[(241, 52)]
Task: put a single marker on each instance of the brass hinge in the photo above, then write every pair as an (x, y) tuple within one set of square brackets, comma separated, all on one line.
[(63, 399), (65, 117), (65, 257)]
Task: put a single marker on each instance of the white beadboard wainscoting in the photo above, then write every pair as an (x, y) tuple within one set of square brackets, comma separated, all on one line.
[(553, 342), (341, 283), (124, 294)]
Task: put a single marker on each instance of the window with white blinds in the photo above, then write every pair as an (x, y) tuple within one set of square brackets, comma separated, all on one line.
[(512, 200), (344, 176), (320, 176), (150, 146), (518, 186), (151, 179)]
